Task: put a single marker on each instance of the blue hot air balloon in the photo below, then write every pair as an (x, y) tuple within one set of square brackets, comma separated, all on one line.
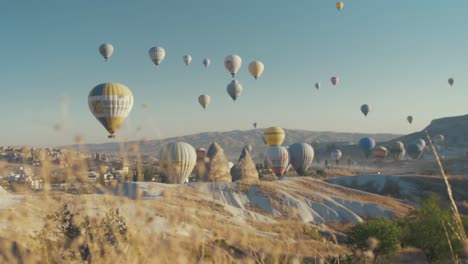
[(367, 144)]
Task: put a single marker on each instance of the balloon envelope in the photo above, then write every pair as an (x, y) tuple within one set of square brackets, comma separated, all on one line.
[(334, 80), (451, 81), (317, 86), (365, 109), (106, 50), (410, 119), (187, 59), (234, 89), (110, 103), (367, 144), (206, 62), (414, 150), (397, 150), (277, 159), (157, 55), (256, 68), (204, 100), (177, 160), (380, 152), (336, 154), (339, 5), (232, 64), (274, 136), (301, 155)]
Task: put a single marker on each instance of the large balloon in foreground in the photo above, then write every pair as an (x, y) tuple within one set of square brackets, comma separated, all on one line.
[(339, 5), (157, 55), (187, 59), (380, 152), (110, 103), (414, 150), (206, 62), (367, 144), (409, 119), (106, 50), (177, 161), (277, 159), (204, 100), (336, 154), (274, 136), (397, 150), (451, 81), (365, 109), (317, 86), (334, 80), (256, 68), (233, 64), (301, 155), (234, 89)]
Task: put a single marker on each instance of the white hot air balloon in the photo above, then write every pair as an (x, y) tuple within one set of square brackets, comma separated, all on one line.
[(256, 68), (204, 100), (233, 64), (106, 50), (177, 160), (187, 59), (157, 55)]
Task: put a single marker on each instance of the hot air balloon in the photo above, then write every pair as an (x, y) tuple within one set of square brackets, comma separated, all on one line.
[(234, 89), (365, 109), (451, 81), (367, 144), (301, 155), (336, 155), (421, 142), (157, 55), (317, 86), (106, 50), (277, 159), (177, 160), (256, 68), (206, 62), (334, 80), (380, 152), (255, 125), (110, 103), (410, 119), (187, 59), (233, 64), (204, 100), (414, 151), (339, 5), (274, 136), (397, 150)]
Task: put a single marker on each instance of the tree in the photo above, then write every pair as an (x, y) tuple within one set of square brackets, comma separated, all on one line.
[(431, 228), (383, 230)]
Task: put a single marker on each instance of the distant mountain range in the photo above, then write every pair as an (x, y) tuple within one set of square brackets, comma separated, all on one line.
[(455, 130), (233, 141)]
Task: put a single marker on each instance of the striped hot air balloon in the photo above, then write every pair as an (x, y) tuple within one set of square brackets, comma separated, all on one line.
[(110, 103), (397, 150), (380, 152), (301, 155), (177, 160), (277, 159), (157, 55), (274, 136)]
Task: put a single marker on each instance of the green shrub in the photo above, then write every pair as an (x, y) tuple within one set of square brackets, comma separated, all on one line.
[(424, 228), (380, 228)]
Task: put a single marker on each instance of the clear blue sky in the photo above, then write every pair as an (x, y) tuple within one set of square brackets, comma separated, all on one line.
[(394, 55)]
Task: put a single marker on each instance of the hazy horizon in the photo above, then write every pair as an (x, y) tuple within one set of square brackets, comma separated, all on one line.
[(395, 56)]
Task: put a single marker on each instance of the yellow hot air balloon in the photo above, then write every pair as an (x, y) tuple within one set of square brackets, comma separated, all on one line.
[(256, 68), (110, 103), (339, 5), (274, 136)]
